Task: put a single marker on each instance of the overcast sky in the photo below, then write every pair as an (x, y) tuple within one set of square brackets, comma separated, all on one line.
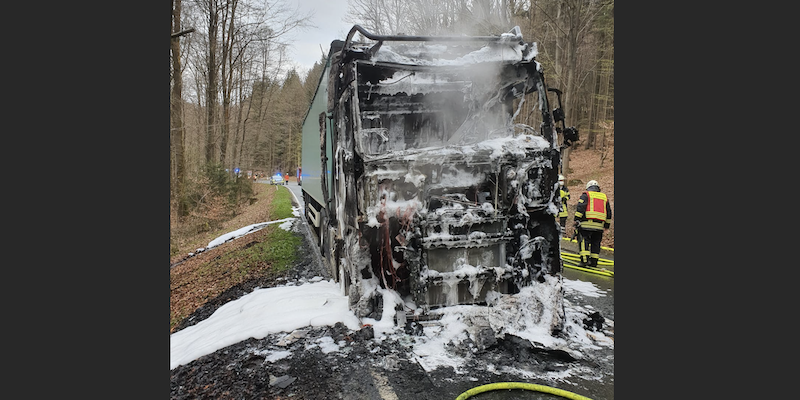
[(329, 25)]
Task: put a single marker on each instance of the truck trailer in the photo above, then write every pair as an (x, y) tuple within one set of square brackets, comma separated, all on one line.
[(417, 179)]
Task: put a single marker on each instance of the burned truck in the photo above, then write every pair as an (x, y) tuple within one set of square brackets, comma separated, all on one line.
[(416, 177)]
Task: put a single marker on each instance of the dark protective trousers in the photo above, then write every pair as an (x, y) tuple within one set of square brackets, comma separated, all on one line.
[(589, 246)]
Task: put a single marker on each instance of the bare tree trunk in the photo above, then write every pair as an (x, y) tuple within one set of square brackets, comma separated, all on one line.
[(171, 157), (572, 25), (289, 156), (590, 137), (212, 153), (228, 18), (558, 64), (559, 69), (605, 89), (176, 111), (240, 124)]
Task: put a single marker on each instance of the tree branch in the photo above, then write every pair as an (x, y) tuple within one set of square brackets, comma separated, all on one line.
[(181, 33)]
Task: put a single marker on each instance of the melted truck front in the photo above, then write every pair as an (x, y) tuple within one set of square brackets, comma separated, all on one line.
[(417, 178)]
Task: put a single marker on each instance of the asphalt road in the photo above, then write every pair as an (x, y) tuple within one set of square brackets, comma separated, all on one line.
[(297, 191)]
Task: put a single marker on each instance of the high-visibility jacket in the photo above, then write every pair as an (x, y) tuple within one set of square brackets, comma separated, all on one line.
[(593, 211), (564, 194)]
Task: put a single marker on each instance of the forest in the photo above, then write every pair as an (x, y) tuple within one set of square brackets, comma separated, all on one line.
[(235, 102)]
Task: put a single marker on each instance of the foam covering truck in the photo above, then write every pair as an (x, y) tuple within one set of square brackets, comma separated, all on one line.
[(418, 179)]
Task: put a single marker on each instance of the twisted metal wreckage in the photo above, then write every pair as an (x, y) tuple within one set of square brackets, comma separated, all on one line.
[(417, 179)]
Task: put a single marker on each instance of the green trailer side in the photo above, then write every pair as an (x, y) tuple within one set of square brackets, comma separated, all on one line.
[(311, 151)]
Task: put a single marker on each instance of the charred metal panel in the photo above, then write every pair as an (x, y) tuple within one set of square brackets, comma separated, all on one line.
[(436, 192)]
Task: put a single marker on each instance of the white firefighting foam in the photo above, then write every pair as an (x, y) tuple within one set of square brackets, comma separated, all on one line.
[(319, 303)]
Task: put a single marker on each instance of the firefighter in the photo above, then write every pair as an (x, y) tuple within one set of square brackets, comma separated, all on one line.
[(564, 194), (592, 217)]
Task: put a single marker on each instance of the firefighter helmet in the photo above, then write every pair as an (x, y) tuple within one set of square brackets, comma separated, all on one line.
[(561, 180), (591, 183)]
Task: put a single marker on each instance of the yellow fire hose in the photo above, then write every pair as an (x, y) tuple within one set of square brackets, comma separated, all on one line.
[(573, 256), (575, 241), (520, 385), (571, 259), (575, 260), (593, 271)]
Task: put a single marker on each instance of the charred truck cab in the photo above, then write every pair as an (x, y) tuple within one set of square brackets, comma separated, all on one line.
[(416, 177)]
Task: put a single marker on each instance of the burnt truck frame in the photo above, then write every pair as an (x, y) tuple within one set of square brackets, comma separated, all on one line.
[(416, 178)]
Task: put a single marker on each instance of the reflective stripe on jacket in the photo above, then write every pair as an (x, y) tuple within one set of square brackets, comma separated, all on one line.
[(593, 211), (596, 206), (564, 194)]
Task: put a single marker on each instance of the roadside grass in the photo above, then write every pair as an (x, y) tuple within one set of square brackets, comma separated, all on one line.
[(282, 202), (267, 253), (276, 251)]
